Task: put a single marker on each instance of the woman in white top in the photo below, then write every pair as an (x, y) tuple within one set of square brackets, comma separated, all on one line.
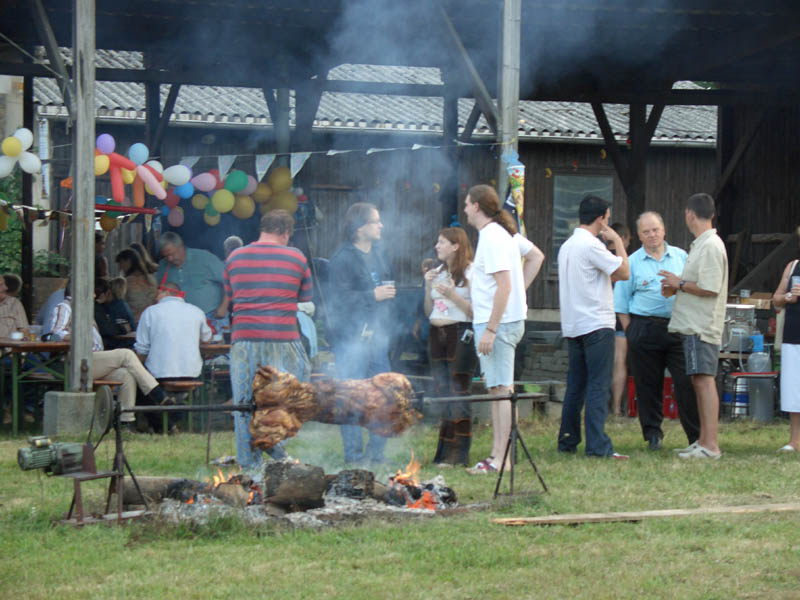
[(451, 345)]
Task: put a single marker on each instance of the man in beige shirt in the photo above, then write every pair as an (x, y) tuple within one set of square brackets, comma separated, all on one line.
[(699, 315), (12, 318)]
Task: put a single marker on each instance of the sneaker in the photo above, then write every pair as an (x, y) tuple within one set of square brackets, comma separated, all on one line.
[(787, 448), (654, 443), (688, 448), (482, 468), (699, 452), (618, 456)]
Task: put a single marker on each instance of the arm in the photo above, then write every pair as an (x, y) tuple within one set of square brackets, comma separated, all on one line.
[(531, 265), (222, 309), (503, 280), (673, 282), (781, 298), (430, 274), (205, 330), (624, 270), (142, 343), (622, 299)]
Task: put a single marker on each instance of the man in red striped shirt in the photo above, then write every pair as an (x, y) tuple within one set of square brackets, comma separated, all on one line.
[(264, 281)]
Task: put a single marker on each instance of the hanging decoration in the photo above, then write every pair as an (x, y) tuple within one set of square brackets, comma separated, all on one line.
[(15, 150), (296, 162)]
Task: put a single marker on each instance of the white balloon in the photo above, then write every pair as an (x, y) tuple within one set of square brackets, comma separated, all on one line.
[(25, 136), (29, 162), (155, 165), (6, 165), (178, 175)]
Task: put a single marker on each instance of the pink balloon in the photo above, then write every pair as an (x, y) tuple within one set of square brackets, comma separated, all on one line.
[(151, 182), (205, 182), (175, 217), (252, 184), (172, 199)]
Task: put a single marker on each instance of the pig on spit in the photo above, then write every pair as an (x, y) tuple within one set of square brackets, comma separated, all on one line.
[(382, 404)]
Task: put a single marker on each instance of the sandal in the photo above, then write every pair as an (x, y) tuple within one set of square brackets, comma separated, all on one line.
[(482, 468)]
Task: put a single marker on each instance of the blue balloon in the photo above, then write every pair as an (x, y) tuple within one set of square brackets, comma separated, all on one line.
[(100, 200), (184, 191), (165, 210), (138, 153)]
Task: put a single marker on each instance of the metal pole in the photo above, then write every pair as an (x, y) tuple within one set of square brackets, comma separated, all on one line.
[(83, 141), (282, 129), (508, 88)]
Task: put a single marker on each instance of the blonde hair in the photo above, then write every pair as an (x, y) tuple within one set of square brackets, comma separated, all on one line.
[(119, 287)]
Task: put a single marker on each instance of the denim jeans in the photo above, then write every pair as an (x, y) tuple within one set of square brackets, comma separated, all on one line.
[(591, 362), (360, 359)]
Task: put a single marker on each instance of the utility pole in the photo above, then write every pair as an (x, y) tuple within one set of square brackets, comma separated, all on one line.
[(508, 88)]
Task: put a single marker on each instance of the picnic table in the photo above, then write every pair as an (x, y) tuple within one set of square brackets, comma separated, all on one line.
[(48, 366)]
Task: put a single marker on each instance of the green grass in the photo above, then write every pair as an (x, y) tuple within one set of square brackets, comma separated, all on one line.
[(464, 556)]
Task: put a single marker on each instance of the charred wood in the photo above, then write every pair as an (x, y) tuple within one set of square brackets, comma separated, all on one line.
[(294, 484)]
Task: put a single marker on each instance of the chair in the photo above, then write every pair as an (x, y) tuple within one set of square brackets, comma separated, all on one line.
[(175, 387)]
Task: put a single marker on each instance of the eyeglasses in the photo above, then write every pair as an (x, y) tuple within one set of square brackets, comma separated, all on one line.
[(378, 222)]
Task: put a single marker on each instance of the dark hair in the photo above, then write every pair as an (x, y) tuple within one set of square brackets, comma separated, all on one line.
[(147, 260), (99, 236), (133, 257), (101, 286), (13, 282), (356, 217), (277, 222), (464, 254), (701, 205), (621, 229), (488, 202), (592, 207)]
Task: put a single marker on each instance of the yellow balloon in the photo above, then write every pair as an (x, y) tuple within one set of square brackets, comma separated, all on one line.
[(11, 146), (280, 179), (127, 176), (101, 164), (211, 221), (223, 200), (244, 207), (199, 201), (107, 223), (263, 193), (264, 207), (285, 200)]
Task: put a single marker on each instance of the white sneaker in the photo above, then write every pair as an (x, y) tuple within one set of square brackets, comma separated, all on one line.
[(688, 448), (700, 452)]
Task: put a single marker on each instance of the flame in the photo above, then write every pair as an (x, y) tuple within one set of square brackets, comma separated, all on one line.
[(219, 478), (190, 500), (251, 497), (409, 476), (427, 501)]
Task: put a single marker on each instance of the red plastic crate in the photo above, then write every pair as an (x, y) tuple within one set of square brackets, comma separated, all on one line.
[(670, 406)]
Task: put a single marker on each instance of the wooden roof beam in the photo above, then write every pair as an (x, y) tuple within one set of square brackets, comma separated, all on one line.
[(45, 31)]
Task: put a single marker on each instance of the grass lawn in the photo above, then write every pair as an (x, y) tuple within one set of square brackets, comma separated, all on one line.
[(461, 557)]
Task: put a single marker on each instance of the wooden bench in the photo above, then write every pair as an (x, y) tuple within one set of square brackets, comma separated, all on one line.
[(173, 387)]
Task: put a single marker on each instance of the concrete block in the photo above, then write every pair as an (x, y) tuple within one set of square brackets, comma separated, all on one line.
[(67, 413)]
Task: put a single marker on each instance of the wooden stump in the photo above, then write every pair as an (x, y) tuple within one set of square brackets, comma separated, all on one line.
[(294, 484), (155, 489), (352, 483)]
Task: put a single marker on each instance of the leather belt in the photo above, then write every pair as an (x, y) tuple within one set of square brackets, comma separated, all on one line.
[(656, 319)]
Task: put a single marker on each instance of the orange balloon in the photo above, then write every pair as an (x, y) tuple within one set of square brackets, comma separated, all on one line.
[(138, 192)]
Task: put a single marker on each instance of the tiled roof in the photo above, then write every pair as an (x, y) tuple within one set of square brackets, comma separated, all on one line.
[(557, 121)]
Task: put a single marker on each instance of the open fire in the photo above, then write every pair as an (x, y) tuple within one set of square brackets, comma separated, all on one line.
[(404, 487)]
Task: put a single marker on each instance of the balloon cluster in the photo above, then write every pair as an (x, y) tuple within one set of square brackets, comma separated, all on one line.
[(15, 149)]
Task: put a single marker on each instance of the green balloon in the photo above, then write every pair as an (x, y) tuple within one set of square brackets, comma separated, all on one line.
[(114, 214), (236, 181), (210, 210)]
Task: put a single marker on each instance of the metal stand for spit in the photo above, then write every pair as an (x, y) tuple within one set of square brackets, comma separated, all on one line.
[(514, 435)]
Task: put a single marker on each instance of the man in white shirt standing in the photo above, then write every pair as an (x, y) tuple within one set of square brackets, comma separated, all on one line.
[(499, 308), (586, 270), (169, 335)]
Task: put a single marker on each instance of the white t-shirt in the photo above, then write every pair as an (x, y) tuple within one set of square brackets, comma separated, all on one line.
[(498, 251), (584, 284), (444, 308)]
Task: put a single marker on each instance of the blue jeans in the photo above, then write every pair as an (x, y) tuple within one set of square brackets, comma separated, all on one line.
[(360, 359), (591, 362)]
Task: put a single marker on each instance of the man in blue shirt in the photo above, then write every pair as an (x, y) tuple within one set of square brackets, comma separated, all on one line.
[(644, 314)]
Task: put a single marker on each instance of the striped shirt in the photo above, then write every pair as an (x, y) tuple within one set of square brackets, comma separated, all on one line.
[(265, 282)]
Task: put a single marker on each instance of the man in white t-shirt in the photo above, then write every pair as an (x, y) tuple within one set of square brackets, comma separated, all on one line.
[(586, 270), (498, 283)]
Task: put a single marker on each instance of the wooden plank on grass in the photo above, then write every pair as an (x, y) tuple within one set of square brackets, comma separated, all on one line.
[(576, 519)]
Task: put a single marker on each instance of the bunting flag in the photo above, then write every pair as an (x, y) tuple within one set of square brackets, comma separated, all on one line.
[(374, 150), (420, 146), (297, 160), (189, 161), (224, 163), (263, 163), (335, 152)]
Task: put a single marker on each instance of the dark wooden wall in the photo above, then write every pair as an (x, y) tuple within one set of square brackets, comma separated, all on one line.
[(409, 187)]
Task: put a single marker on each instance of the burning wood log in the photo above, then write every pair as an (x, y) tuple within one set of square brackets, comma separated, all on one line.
[(155, 489), (382, 404), (294, 484)]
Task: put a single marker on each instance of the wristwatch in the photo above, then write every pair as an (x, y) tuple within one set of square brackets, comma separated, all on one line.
[(680, 285)]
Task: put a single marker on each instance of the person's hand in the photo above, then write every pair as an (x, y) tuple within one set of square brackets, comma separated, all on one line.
[(445, 289), (611, 236), (486, 343), (385, 292), (791, 297), (795, 291), (670, 279), (430, 275), (221, 312)]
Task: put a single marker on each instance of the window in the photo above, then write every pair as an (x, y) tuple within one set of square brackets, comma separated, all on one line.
[(568, 191)]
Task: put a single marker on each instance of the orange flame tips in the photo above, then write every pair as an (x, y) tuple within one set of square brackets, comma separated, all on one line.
[(409, 476), (427, 501)]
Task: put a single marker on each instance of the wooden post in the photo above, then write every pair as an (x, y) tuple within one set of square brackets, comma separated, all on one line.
[(83, 140), (449, 191), (282, 128), (508, 88), (26, 295)]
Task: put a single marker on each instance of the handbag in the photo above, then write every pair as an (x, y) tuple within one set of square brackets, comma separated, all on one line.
[(780, 319)]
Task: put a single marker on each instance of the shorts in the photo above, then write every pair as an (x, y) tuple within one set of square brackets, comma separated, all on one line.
[(498, 367), (702, 358)]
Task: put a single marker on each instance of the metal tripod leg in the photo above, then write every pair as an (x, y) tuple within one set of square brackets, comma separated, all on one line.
[(511, 446)]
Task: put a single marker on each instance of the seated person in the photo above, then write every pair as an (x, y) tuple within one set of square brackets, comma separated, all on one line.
[(45, 315), (12, 318), (120, 365), (169, 335), (119, 310), (13, 284)]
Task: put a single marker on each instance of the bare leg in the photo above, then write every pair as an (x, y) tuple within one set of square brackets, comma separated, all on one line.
[(501, 424), (705, 388), (794, 430), (620, 377)]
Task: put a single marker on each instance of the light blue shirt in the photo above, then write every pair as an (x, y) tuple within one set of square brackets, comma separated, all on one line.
[(641, 293), (200, 277)]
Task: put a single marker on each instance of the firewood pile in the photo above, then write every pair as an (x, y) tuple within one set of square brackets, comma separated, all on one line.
[(382, 404)]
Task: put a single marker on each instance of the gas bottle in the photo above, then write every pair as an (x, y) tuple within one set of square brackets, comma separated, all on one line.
[(761, 391)]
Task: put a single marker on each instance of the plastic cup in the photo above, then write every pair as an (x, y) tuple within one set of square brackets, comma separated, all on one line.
[(795, 280), (388, 282)]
